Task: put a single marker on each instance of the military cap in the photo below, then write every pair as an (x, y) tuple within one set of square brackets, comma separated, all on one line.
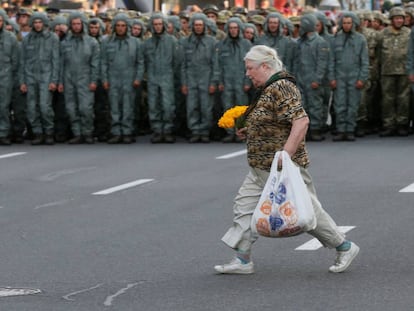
[(272, 10), (211, 8), (145, 19), (184, 14), (52, 10), (368, 16), (133, 14), (242, 17), (257, 19), (10, 8), (295, 20), (221, 19), (24, 11), (360, 14), (387, 5), (396, 11), (239, 10), (409, 11), (226, 13), (102, 16), (378, 15), (263, 12)]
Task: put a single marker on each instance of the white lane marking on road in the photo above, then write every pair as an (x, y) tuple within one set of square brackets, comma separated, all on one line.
[(8, 291), (110, 299), (122, 187), (232, 155), (66, 297), (409, 188), (55, 175), (56, 203), (9, 155), (314, 244)]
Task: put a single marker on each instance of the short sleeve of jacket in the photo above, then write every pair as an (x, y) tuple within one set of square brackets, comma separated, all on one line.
[(287, 101)]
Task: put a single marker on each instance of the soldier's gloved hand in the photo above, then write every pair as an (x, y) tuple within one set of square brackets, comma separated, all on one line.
[(314, 85), (212, 89), (184, 89), (23, 88), (136, 84), (92, 87), (52, 87), (359, 84)]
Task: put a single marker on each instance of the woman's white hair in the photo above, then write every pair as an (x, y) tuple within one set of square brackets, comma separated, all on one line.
[(262, 54)]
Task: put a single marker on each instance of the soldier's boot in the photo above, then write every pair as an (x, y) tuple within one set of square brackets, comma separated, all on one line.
[(350, 136), (388, 132), (315, 135), (38, 139), (205, 139), (75, 140), (194, 139), (102, 138), (156, 138), (17, 139), (49, 140), (5, 141), (127, 139), (229, 138), (169, 138), (361, 129), (340, 136), (89, 139), (402, 131), (117, 139), (60, 138)]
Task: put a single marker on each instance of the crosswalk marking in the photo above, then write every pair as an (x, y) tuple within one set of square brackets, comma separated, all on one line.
[(8, 291), (314, 244), (10, 155), (409, 188), (123, 186), (232, 155)]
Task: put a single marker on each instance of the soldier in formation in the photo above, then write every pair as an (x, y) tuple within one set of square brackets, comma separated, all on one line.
[(119, 70)]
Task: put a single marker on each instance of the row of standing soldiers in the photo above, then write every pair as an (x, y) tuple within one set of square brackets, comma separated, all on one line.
[(75, 83)]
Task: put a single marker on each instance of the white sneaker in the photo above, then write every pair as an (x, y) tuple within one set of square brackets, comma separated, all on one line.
[(235, 267), (344, 259)]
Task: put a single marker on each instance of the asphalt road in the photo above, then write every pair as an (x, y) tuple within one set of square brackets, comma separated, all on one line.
[(153, 246)]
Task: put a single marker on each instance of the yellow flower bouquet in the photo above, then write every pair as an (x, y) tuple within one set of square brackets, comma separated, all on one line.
[(233, 117)]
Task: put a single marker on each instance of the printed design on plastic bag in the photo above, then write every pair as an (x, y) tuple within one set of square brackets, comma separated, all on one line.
[(262, 226), (284, 208), (282, 216)]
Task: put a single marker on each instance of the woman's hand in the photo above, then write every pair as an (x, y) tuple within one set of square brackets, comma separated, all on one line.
[(241, 133)]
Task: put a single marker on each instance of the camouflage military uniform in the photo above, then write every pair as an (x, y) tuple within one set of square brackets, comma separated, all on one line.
[(393, 46), (369, 113)]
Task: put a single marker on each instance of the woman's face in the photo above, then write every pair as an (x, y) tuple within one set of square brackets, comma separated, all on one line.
[(256, 73)]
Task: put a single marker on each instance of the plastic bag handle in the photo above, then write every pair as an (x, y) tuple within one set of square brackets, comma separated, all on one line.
[(273, 168)]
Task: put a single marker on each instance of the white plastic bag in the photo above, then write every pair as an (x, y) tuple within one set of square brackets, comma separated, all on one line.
[(285, 207)]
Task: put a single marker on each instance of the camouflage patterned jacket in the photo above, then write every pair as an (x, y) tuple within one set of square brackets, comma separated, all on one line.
[(392, 50)]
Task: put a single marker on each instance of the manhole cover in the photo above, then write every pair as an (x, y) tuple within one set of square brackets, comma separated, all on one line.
[(7, 291)]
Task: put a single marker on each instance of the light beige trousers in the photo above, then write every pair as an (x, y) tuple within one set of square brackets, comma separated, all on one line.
[(240, 237)]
